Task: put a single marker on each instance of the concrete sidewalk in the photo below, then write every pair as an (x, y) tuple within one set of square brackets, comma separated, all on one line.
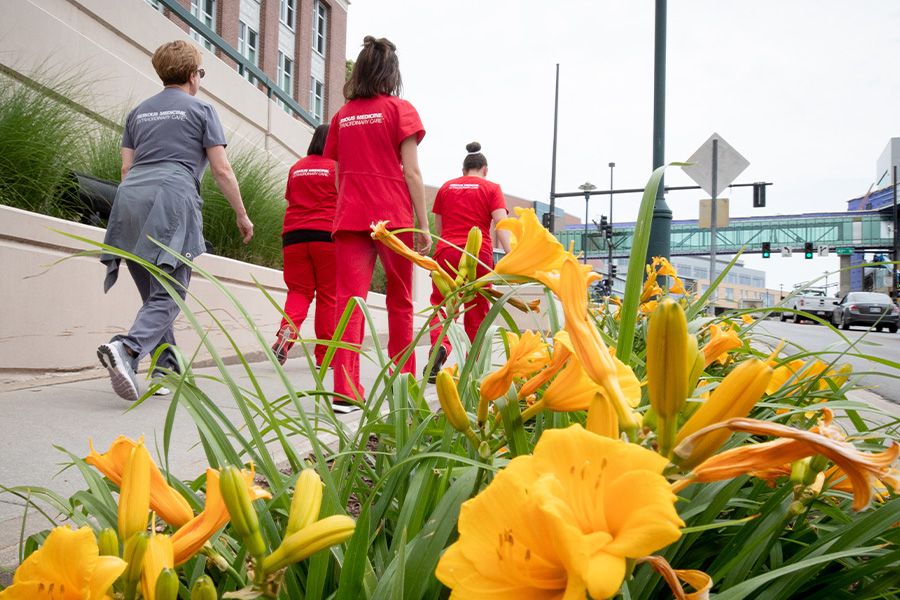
[(66, 412)]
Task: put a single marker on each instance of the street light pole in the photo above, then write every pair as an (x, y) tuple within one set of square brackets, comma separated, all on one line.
[(609, 238), (586, 187), (660, 242)]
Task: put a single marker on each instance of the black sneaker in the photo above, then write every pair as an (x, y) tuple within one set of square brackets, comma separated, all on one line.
[(439, 360), (344, 408), (115, 358)]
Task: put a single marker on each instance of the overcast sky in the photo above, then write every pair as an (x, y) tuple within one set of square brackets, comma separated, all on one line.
[(807, 91)]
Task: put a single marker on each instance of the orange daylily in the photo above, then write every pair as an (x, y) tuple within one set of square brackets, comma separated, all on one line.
[(863, 469), (720, 342), (562, 523), (735, 397), (570, 286), (699, 580), (664, 267), (562, 352), (188, 540), (532, 247), (167, 503), (527, 355), (69, 562), (381, 233)]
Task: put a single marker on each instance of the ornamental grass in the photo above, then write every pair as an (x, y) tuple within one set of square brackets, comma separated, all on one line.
[(639, 449)]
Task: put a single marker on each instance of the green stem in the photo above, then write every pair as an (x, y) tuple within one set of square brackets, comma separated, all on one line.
[(666, 433)]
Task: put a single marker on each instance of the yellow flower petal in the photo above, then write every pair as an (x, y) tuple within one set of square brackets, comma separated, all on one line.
[(534, 248)]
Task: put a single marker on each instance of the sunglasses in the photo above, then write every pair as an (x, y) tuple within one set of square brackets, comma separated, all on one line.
[(201, 73)]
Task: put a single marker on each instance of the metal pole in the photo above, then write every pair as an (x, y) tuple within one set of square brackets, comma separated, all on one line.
[(609, 239), (587, 200), (712, 217), (553, 168), (896, 253), (661, 225)]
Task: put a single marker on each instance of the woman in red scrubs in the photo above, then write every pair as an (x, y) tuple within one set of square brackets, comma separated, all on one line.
[(309, 265), (462, 203), (374, 139)]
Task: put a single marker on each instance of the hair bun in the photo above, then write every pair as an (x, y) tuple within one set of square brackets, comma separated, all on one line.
[(473, 147)]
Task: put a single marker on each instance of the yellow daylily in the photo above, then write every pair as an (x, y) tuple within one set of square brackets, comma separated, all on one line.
[(306, 534), (562, 523), (527, 355), (68, 565), (735, 397), (167, 503), (863, 469), (720, 342), (570, 286), (562, 351), (532, 247), (381, 233), (188, 540), (664, 267), (159, 556), (797, 371), (746, 319), (134, 495)]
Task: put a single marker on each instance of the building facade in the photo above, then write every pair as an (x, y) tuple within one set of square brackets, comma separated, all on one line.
[(298, 44)]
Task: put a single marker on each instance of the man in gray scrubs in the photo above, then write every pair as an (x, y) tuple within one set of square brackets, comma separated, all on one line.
[(169, 140)]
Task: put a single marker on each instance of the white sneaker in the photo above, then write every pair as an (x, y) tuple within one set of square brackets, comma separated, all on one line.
[(344, 408), (115, 358), (162, 391)]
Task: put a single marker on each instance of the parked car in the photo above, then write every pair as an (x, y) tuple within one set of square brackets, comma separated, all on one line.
[(866, 308)]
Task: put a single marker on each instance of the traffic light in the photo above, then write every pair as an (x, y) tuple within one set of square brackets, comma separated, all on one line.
[(545, 220), (766, 249), (613, 269), (604, 225), (759, 195), (808, 248)]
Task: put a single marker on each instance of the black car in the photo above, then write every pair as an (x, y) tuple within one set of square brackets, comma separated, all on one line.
[(866, 308)]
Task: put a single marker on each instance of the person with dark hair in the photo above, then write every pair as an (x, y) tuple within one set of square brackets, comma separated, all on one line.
[(309, 265), (462, 203), (169, 140), (374, 139)]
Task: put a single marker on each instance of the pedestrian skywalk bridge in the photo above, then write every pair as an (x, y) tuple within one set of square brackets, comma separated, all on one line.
[(861, 231)]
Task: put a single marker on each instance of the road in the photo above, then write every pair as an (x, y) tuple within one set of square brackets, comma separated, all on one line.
[(809, 336)]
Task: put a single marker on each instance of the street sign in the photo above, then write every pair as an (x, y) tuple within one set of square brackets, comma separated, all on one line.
[(705, 220), (844, 251), (823, 250), (729, 164), (785, 252)]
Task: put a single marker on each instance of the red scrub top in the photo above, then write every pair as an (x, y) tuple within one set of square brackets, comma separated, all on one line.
[(465, 202), (364, 139), (311, 194)]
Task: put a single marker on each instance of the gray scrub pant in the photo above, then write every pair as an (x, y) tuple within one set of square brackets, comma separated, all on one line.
[(153, 324)]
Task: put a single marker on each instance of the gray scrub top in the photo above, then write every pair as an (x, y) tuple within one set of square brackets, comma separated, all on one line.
[(160, 196)]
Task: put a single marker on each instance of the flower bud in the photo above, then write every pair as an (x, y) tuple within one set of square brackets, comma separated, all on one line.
[(473, 249), (134, 493), (696, 363), (108, 542), (241, 511), (307, 501), (667, 355), (443, 285), (133, 554), (160, 556), (167, 585), (450, 402), (204, 589), (309, 540)]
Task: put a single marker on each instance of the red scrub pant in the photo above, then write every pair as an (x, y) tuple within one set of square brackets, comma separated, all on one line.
[(355, 253), (476, 310), (309, 272)]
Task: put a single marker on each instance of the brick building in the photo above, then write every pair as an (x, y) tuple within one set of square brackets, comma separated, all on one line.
[(298, 44)]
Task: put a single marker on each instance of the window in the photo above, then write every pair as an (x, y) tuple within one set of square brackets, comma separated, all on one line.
[(729, 293), (155, 4), (744, 279), (316, 98), (248, 44), (205, 11), (286, 12), (320, 26), (285, 77)]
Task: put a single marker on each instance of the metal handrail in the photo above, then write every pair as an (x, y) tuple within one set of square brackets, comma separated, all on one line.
[(216, 40)]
